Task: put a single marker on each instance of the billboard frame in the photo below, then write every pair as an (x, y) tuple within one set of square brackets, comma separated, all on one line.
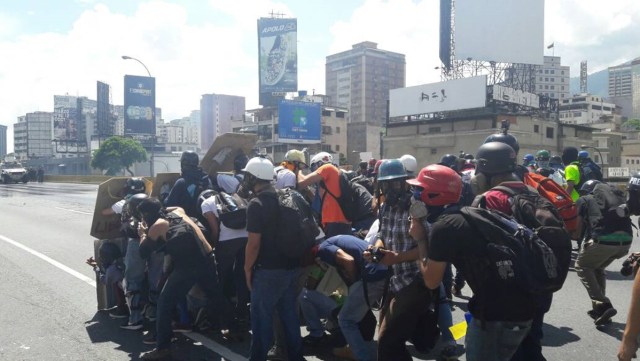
[(139, 105), (277, 51), (308, 133)]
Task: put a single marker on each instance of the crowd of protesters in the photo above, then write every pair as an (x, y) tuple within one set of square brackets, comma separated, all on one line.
[(208, 257)]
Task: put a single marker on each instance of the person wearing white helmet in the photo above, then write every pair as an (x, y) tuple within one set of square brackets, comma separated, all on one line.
[(294, 161), (271, 277), (410, 164), (327, 175)]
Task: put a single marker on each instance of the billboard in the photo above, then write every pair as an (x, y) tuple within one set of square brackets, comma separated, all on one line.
[(278, 55), (510, 95), (65, 123), (139, 105), (299, 122), (465, 93), (509, 31)]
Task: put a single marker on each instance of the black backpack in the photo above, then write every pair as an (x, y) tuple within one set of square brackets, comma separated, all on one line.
[(537, 213), (614, 209), (296, 227), (516, 256), (232, 210), (355, 200)]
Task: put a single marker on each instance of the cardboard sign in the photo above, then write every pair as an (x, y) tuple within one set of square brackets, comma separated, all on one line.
[(163, 183), (109, 192), (225, 148)]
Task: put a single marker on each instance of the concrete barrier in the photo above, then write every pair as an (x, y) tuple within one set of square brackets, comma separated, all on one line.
[(89, 179)]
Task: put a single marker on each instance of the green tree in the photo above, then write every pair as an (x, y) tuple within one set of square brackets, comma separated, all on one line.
[(118, 153), (631, 124)]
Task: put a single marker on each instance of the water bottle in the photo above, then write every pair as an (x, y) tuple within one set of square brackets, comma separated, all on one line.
[(231, 204), (468, 317)]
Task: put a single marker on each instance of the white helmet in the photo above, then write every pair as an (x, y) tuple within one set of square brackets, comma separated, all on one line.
[(261, 168), (323, 157), (409, 162), (295, 155)]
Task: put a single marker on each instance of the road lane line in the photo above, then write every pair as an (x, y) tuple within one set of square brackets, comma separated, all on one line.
[(51, 261), (226, 353), (73, 210)]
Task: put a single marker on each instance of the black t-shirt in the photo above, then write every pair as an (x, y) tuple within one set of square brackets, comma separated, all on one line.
[(262, 217), (454, 240)]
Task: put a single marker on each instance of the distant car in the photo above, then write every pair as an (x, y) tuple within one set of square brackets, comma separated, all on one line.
[(13, 172)]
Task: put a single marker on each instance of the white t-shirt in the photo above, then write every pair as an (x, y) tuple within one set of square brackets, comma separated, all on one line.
[(226, 233), (373, 232), (117, 206), (228, 183), (285, 178)]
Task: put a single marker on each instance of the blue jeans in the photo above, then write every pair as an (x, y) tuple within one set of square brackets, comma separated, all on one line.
[(204, 273), (315, 306), (445, 320), (134, 267), (498, 341), (354, 309), (274, 290)]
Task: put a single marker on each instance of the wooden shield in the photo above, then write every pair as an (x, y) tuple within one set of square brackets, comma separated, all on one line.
[(225, 148), (109, 192), (163, 179)]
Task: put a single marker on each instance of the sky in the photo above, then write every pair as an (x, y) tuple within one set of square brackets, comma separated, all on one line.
[(195, 47)]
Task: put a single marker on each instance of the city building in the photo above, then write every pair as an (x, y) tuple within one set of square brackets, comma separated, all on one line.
[(588, 109), (359, 80), (3, 141), (32, 136), (217, 111), (624, 87), (552, 79)]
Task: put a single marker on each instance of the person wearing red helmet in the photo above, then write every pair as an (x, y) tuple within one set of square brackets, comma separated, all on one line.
[(501, 316)]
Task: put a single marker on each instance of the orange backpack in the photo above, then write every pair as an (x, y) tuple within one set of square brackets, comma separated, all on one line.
[(558, 196)]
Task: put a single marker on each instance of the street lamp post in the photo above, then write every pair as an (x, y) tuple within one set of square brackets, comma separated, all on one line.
[(153, 111), (584, 146)]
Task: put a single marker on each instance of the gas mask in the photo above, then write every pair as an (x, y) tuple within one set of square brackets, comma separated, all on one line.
[(396, 193)]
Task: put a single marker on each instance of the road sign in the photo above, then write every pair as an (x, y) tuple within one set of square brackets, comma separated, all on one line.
[(618, 172)]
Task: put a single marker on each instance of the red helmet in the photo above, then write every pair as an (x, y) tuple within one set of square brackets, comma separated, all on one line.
[(377, 166), (441, 185)]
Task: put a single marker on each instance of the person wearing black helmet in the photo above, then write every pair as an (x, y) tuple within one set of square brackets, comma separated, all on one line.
[(109, 270), (134, 264), (510, 140), (607, 236), (188, 187)]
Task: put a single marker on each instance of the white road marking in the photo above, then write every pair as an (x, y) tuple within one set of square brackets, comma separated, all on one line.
[(226, 353), (51, 261), (73, 210)]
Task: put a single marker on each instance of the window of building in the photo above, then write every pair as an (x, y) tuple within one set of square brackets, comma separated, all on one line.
[(536, 128), (552, 72), (434, 150), (562, 72), (337, 130), (339, 114), (553, 87), (434, 130), (326, 113), (552, 95), (546, 79), (337, 147), (546, 71), (552, 79), (326, 130), (549, 133), (546, 87), (562, 87)]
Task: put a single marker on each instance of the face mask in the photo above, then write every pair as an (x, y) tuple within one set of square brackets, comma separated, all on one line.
[(543, 163), (249, 182)]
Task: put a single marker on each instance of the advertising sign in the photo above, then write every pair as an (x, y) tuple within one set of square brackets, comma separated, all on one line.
[(139, 105), (299, 122), (65, 125), (278, 55), (510, 95), (618, 172), (465, 93)]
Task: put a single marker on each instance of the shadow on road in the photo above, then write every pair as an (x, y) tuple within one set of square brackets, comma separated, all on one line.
[(558, 336), (614, 329)]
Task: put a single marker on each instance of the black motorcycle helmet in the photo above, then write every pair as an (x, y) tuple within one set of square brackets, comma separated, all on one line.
[(589, 186), (504, 138), (189, 160), (109, 253), (239, 162), (132, 205), (449, 160), (495, 158), (133, 186)]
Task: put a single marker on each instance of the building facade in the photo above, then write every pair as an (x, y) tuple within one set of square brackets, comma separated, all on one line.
[(624, 87), (217, 111), (3, 141), (552, 79), (32, 136), (587, 109)]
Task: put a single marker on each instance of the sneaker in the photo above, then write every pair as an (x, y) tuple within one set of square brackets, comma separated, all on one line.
[(276, 353), (344, 353), (456, 291), (132, 326), (149, 339), (182, 327), (119, 313), (605, 316), (314, 341), (449, 353), (157, 354), (149, 312)]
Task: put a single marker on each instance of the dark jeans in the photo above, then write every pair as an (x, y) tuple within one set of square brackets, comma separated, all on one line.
[(449, 280), (531, 347), (399, 319), (334, 229), (274, 290), (230, 257), (204, 273)]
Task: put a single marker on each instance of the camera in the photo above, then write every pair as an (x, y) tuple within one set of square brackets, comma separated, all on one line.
[(629, 266), (376, 254)]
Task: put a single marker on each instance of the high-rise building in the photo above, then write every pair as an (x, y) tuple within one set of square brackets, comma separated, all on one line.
[(217, 111), (587, 109), (359, 80), (3, 141), (32, 135), (552, 79), (624, 87)]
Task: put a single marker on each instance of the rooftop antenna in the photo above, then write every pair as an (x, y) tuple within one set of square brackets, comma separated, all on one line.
[(276, 14)]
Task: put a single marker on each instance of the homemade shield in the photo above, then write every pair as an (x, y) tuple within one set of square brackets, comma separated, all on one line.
[(225, 148), (162, 184)]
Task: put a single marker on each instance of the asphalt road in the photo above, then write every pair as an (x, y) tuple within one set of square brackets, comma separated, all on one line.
[(48, 297)]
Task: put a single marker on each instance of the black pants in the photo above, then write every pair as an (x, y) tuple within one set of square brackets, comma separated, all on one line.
[(230, 257)]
